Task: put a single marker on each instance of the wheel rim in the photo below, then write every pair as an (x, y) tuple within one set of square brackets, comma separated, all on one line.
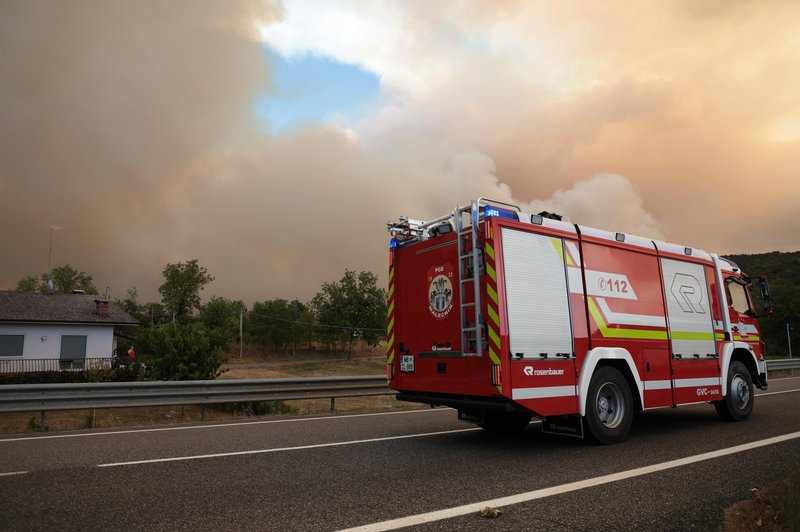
[(740, 392), (610, 405)]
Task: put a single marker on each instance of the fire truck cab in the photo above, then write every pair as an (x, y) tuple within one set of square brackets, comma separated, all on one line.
[(506, 316)]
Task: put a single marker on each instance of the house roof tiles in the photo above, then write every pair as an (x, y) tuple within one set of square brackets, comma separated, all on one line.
[(58, 308)]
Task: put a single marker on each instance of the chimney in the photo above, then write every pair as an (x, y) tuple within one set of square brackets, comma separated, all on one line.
[(102, 307)]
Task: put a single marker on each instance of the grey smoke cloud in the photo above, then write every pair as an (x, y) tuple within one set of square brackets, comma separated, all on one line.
[(107, 110), (132, 125)]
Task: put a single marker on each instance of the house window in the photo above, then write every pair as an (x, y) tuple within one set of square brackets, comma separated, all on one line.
[(11, 345), (73, 352)]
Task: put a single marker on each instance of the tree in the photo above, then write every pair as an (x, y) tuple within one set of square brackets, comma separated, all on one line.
[(351, 307), (182, 351), (183, 282), (156, 314), (221, 317), (65, 280), (28, 284), (782, 269), (271, 323), (131, 305)]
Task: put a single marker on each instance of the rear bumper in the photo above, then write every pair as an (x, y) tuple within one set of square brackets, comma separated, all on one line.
[(462, 402)]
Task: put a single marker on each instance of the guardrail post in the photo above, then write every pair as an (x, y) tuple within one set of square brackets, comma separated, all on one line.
[(41, 421), (94, 411), (203, 412), (333, 404)]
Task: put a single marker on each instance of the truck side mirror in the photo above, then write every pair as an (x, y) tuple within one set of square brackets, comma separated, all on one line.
[(765, 297)]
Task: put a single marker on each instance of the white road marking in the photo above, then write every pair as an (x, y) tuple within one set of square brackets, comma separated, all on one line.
[(283, 449), (12, 473), (776, 393), (475, 507), (222, 425)]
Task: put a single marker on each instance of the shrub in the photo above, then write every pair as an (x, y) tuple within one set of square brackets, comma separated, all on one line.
[(182, 351)]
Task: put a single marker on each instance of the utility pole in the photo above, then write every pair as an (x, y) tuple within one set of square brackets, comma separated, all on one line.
[(241, 340), (294, 328), (789, 338)]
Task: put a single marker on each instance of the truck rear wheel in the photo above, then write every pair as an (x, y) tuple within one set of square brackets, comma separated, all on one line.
[(505, 422), (738, 403), (609, 406)]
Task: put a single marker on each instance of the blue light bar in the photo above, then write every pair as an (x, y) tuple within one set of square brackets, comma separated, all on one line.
[(497, 212), (394, 243)]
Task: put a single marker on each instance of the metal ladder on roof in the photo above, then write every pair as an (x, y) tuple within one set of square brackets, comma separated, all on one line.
[(470, 265)]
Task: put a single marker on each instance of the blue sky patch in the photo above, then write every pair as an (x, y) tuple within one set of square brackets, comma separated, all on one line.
[(313, 88)]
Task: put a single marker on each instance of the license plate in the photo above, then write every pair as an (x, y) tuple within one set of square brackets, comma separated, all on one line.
[(407, 363)]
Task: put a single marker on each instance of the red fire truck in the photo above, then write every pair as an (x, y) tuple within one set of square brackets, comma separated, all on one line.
[(504, 316)]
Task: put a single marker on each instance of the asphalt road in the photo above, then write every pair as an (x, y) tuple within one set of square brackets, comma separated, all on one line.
[(335, 472)]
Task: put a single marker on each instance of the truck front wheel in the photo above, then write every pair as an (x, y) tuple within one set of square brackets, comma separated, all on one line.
[(609, 406), (738, 402)]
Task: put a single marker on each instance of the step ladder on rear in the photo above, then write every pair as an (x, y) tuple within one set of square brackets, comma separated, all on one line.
[(471, 265), (470, 268)]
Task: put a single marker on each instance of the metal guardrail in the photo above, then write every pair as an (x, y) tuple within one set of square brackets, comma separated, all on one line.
[(83, 396), (784, 363), (79, 396)]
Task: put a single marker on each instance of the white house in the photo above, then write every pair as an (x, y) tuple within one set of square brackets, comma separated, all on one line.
[(56, 331)]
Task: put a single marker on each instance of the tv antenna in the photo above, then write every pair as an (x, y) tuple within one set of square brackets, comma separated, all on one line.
[(53, 228)]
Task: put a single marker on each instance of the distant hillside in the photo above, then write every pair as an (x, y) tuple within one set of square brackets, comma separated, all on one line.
[(783, 272)]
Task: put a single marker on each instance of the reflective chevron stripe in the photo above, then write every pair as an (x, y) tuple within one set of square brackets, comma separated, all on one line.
[(390, 327), (493, 321)]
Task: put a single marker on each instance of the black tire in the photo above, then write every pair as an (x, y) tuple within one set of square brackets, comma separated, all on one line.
[(609, 406), (738, 402), (505, 422)]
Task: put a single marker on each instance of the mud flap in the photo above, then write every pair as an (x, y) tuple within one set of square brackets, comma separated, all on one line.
[(571, 425), (471, 416)]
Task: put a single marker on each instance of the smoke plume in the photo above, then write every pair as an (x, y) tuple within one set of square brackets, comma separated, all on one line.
[(132, 125)]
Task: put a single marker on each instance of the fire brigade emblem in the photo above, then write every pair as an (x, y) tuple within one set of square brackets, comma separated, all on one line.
[(440, 291)]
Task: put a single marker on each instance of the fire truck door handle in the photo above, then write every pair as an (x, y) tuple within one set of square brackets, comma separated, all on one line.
[(735, 328)]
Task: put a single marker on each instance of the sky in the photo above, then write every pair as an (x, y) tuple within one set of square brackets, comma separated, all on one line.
[(272, 141)]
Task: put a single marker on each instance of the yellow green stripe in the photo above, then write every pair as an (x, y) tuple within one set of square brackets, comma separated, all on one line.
[(491, 272), (493, 314), (751, 338), (391, 274), (391, 358), (391, 324), (489, 251), (391, 290), (492, 294), (389, 342), (558, 247), (493, 356), (494, 337), (622, 333), (688, 335), (391, 307)]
